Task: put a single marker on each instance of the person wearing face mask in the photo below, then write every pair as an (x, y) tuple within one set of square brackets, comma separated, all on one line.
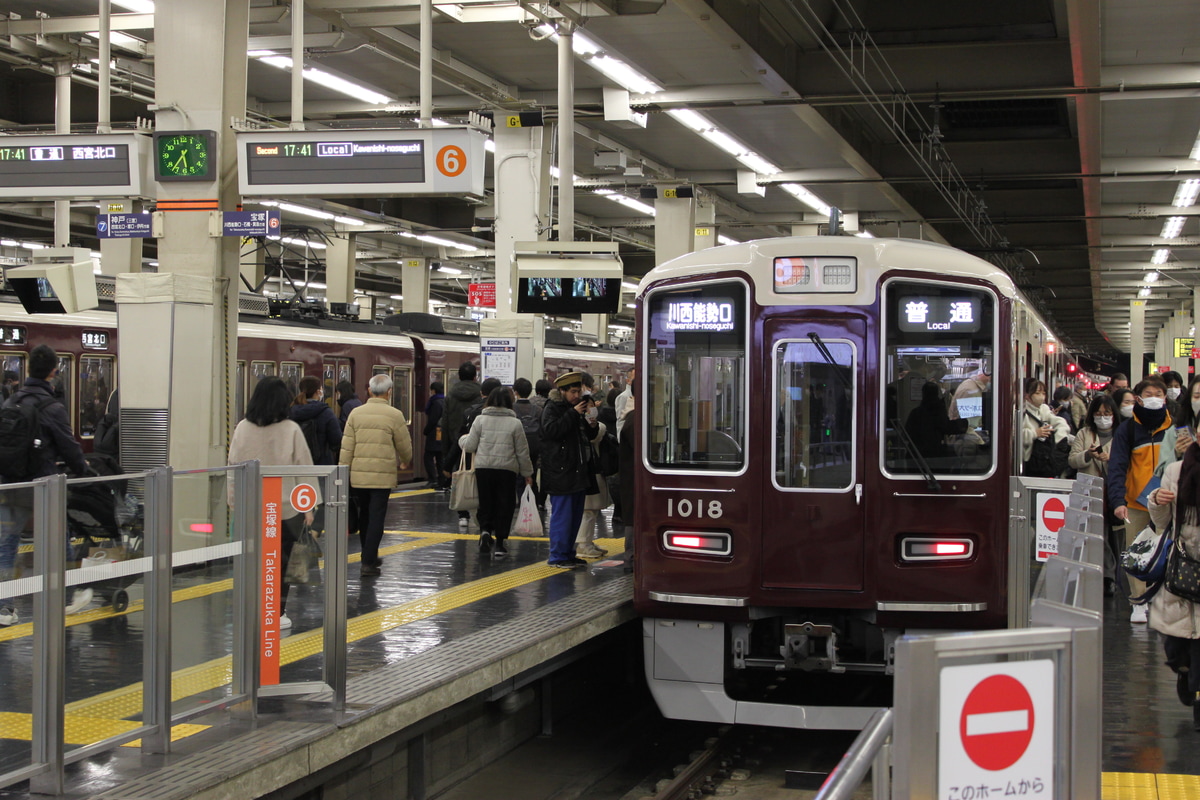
[(1133, 458), (1062, 407), (1125, 401), (1174, 382), (1039, 424), (1090, 452), (1079, 403)]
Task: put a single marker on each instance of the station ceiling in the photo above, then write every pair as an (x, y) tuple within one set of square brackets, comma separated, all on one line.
[(1055, 137)]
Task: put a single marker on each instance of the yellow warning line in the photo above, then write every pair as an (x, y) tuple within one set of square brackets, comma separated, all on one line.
[(81, 730), (127, 701), (202, 590), (1148, 786), (411, 493)]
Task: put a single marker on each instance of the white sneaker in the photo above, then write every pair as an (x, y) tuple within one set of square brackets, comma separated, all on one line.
[(285, 623), (464, 523), (81, 599), (1140, 614), (8, 616)]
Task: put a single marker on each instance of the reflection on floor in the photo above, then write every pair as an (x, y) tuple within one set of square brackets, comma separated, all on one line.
[(435, 585)]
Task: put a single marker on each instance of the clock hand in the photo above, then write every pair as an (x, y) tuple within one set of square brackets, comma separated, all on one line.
[(181, 160)]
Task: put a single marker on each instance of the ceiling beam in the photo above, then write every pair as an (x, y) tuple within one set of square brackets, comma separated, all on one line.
[(61, 26)]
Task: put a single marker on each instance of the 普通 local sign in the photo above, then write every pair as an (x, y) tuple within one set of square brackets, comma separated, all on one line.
[(996, 731)]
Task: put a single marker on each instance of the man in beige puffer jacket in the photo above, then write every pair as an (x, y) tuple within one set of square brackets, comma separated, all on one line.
[(375, 441)]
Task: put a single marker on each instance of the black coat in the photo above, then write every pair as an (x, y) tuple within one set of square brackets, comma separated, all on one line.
[(327, 431), (58, 440), (567, 463)]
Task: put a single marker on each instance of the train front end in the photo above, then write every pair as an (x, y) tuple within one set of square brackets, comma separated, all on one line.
[(825, 430)]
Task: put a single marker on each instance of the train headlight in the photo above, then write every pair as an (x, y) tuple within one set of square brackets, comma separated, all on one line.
[(708, 543), (936, 549)]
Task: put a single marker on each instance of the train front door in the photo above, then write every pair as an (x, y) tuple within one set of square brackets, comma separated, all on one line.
[(812, 534)]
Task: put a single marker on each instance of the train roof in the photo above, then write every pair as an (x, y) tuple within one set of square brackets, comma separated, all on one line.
[(874, 257)]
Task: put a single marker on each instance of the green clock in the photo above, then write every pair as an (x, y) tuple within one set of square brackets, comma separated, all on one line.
[(184, 155)]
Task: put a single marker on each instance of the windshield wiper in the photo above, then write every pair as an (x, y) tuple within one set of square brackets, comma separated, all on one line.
[(825, 354), (922, 464)]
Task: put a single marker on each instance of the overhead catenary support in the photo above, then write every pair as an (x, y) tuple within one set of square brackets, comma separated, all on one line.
[(426, 63), (566, 132), (104, 91), (297, 65)]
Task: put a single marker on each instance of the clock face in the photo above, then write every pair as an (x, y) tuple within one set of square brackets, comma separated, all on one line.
[(183, 156)]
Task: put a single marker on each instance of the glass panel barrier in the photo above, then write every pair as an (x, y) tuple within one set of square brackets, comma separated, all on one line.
[(20, 587)]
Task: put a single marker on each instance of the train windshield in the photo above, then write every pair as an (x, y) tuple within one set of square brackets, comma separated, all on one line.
[(939, 353), (695, 388)]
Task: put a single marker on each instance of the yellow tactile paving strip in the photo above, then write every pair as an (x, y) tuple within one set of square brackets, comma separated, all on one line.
[(1148, 786), (103, 715)]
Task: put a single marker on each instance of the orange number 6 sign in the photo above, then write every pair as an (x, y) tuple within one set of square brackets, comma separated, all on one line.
[(304, 498), (451, 160)]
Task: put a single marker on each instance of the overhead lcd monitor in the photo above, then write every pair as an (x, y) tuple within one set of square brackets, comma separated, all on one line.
[(73, 166), (568, 295)]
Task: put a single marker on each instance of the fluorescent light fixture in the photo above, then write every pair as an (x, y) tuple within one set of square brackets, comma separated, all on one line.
[(1160, 256), (9, 243), (702, 125), (1151, 276), (136, 6), (865, 235), (97, 254), (118, 39), (1195, 154), (629, 287), (303, 243), (328, 80), (1185, 195), (268, 203), (630, 305), (313, 285), (568, 329), (757, 163), (305, 210), (95, 268), (1173, 227), (808, 198), (623, 74), (723, 239), (396, 296), (1145, 292), (349, 221), (724, 141), (33, 246), (690, 119), (581, 44), (489, 145), (449, 271)]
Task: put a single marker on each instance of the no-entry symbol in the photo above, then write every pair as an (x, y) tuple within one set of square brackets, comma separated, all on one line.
[(1054, 514), (996, 730), (304, 497), (1050, 515), (997, 722)]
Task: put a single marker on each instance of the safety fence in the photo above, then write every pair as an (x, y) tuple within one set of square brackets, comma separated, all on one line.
[(142, 544)]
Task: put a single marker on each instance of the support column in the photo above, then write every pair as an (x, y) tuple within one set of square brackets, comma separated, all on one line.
[(62, 124), (339, 268), (674, 227), (414, 277), (1137, 340), (118, 256), (566, 132), (518, 165), (596, 325), (706, 224)]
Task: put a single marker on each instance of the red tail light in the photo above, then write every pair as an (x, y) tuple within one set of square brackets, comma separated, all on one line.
[(936, 549), (709, 543)]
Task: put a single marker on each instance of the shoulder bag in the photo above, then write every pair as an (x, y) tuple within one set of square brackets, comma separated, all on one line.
[(464, 491), (1183, 573)]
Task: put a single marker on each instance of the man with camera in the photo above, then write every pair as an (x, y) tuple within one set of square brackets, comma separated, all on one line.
[(568, 468)]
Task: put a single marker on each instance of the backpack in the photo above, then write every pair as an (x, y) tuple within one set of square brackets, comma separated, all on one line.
[(531, 422), (20, 437), (1048, 459), (314, 437), (610, 455)]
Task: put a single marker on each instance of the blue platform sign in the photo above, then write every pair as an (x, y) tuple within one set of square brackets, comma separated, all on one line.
[(124, 226), (250, 223)]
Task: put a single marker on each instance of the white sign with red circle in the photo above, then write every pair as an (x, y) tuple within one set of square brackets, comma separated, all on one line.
[(1050, 514), (996, 730), (304, 497)]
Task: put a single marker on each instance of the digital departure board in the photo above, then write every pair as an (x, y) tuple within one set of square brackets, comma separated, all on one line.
[(921, 314), (72, 166), (372, 162)]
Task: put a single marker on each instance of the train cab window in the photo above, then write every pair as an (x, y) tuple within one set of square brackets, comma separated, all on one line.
[(402, 391), (96, 380), (291, 372), (814, 415), (938, 360), (696, 382)]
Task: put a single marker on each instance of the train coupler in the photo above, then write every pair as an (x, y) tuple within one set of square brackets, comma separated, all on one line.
[(802, 647)]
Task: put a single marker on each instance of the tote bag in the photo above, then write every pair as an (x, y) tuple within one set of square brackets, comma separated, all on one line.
[(464, 491)]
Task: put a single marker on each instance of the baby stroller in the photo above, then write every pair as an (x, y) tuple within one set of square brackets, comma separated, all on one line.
[(105, 522)]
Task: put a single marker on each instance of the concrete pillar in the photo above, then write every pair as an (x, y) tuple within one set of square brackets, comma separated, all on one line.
[(674, 227), (1137, 340), (706, 225), (120, 255), (518, 165), (339, 268), (596, 325), (414, 278), (62, 124)]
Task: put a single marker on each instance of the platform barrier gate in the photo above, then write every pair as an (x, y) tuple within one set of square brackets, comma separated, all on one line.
[(188, 520), (1002, 713)]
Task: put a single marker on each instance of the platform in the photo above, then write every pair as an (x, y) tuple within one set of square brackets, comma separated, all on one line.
[(441, 625)]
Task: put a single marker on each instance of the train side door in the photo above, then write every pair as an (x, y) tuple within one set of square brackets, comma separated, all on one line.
[(812, 533), (333, 372)]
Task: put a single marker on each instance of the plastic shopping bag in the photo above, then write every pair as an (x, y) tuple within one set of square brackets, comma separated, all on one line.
[(529, 522)]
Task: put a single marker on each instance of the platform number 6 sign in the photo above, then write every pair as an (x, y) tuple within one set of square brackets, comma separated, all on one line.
[(304, 498), (451, 160)]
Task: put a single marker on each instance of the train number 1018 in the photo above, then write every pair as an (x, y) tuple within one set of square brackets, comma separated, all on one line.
[(695, 509)]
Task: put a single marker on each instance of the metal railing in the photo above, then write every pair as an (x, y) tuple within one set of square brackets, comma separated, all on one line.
[(227, 535)]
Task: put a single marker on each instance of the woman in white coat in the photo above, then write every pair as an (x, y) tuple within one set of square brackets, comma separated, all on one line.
[(501, 453), (1038, 424)]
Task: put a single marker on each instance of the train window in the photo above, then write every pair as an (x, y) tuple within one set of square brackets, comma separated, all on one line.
[(814, 415), (291, 372), (696, 381), (14, 367), (64, 383), (438, 376), (239, 393), (96, 380), (402, 391), (939, 354), (333, 372), (380, 369), (260, 370)]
